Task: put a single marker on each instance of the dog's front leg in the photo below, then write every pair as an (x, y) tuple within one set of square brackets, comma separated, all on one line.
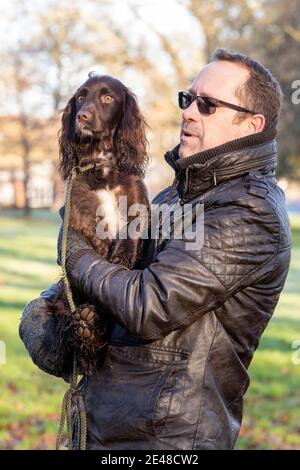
[(133, 223)]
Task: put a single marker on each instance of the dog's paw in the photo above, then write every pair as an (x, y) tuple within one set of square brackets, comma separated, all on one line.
[(84, 320), (89, 336)]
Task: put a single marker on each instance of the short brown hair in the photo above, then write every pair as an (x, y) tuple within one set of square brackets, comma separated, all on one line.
[(261, 92)]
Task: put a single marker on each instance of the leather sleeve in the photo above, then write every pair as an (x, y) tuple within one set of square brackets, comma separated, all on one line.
[(181, 284), (170, 294)]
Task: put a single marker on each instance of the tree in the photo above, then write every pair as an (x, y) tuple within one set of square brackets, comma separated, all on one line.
[(269, 32)]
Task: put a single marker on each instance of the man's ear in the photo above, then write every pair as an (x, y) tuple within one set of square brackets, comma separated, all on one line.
[(256, 123)]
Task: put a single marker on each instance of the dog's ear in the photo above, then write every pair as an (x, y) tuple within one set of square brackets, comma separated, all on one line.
[(131, 142), (67, 140)]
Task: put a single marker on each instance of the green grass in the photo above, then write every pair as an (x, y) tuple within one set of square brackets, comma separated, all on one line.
[(272, 403), (30, 400)]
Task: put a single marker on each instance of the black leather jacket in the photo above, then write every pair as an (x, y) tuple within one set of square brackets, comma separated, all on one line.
[(188, 321)]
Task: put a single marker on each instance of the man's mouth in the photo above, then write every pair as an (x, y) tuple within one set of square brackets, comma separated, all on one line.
[(187, 134)]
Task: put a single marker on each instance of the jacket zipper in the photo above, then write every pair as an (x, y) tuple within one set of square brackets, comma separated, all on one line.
[(271, 158)]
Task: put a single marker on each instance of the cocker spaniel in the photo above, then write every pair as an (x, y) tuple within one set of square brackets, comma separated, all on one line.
[(102, 124)]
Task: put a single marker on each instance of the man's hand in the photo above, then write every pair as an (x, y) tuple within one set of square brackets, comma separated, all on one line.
[(75, 241)]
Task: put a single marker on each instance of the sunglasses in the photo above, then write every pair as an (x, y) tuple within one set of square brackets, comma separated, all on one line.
[(205, 104)]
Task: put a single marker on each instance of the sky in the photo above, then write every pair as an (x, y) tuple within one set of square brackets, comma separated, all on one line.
[(166, 16)]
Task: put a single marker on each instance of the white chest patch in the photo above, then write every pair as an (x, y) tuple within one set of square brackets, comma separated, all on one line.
[(106, 160), (107, 209), (112, 219)]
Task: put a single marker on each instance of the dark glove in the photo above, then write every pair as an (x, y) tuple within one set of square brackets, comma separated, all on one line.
[(44, 336), (75, 241)]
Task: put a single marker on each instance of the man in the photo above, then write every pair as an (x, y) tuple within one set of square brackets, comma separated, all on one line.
[(187, 323)]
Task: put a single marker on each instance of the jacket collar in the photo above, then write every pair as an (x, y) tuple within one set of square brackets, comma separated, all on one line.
[(196, 174)]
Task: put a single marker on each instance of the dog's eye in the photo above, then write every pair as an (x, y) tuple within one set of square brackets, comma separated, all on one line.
[(106, 99), (80, 99)]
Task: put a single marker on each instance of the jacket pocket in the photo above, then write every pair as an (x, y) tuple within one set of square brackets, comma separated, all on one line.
[(168, 401), (125, 401)]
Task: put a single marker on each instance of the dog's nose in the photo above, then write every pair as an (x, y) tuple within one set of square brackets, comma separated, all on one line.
[(84, 116)]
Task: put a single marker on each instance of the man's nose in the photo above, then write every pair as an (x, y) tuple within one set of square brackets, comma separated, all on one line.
[(191, 113), (84, 115)]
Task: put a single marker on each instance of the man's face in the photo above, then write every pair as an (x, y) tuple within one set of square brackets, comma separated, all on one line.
[(219, 79)]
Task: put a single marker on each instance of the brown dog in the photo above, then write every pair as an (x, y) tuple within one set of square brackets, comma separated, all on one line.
[(101, 124)]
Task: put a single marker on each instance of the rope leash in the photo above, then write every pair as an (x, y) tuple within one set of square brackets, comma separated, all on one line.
[(73, 395)]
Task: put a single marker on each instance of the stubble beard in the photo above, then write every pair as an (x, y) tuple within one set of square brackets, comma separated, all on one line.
[(187, 150)]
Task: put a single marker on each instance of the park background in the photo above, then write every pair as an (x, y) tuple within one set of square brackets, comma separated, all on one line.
[(47, 48)]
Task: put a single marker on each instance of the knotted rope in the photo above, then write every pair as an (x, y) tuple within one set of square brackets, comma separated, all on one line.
[(73, 395)]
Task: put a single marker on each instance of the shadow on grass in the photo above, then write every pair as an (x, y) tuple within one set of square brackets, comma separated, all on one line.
[(26, 285), (12, 305), (35, 214), (295, 236), (285, 322), (32, 280), (17, 254), (271, 343)]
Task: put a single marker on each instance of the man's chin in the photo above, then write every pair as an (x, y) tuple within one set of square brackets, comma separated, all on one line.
[(186, 150)]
